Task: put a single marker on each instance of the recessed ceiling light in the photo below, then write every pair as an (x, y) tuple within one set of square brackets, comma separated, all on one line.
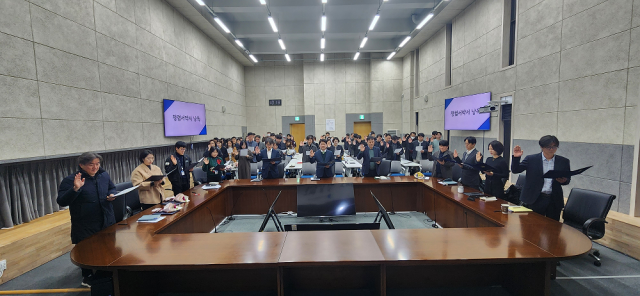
[(273, 24), (324, 1), (405, 41), (221, 24), (373, 23), (391, 55), (364, 41), (323, 23), (424, 21), (263, 2)]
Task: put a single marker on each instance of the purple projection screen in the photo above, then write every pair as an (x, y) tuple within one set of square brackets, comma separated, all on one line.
[(184, 119), (461, 113)]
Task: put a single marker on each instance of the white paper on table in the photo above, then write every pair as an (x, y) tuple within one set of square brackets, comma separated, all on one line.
[(123, 192)]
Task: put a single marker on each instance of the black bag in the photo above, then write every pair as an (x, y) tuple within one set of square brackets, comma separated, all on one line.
[(102, 287), (512, 194)]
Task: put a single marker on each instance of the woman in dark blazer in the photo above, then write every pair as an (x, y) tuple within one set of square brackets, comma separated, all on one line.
[(337, 150), (494, 184)]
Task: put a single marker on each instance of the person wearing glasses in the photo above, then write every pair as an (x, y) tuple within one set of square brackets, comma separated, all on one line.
[(177, 168), (542, 195)]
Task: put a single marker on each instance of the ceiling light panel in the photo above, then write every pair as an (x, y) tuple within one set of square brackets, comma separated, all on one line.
[(323, 23), (273, 24), (364, 41), (373, 23), (282, 44), (221, 24)]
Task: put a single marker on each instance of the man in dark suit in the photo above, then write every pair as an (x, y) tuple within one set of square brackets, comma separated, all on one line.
[(270, 158), (542, 195), (392, 147), (420, 144), (470, 176), (369, 168), (324, 159)]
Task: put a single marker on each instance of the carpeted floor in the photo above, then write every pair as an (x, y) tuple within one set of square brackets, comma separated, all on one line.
[(618, 275)]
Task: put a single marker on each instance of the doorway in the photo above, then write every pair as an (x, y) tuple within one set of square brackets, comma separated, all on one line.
[(362, 128), (297, 131)]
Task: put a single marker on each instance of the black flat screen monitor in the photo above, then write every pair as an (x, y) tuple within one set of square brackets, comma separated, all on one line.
[(326, 200)]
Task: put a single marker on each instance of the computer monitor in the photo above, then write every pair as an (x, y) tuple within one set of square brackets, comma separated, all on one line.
[(326, 200)]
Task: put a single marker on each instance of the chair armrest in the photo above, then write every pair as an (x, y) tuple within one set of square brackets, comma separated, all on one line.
[(587, 224)]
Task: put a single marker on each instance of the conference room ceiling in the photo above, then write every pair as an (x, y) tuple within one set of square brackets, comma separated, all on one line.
[(299, 24)]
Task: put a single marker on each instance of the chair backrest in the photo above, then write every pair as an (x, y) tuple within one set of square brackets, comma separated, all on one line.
[(133, 201), (119, 207), (199, 176), (522, 179), (456, 173), (281, 166), (427, 165), (385, 167), (396, 167), (254, 169), (339, 168), (583, 205), (308, 168)]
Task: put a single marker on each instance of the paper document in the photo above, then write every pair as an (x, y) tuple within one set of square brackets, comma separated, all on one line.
[(419, 148), (123, 192), (519, 209), (308, 152), (207, 187), (488, 198), (229, 150), (150, 218), (244, 152), (397, 150)]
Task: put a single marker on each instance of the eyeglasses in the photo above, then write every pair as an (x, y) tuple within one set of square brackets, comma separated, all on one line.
[(551, 148)]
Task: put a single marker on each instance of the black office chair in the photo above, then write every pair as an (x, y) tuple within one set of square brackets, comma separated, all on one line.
[(132, 201), (586, 211), (281, 166), (522, 179), (118, 204), (457, 173), (199, 176), (385, 167)]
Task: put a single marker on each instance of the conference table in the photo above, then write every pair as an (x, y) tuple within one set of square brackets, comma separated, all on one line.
[(477, 246)]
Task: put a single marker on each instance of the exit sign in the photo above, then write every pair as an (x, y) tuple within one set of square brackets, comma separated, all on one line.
[(361, 117), (297, 118)]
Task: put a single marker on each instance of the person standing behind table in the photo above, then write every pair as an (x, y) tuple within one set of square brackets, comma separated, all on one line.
[(338, 151), (435, 139), (270, 158), (408, 148), (420, 144), (470, 177), (176, 167), (151, 192), (244, 162), (392, 147), (494, 184), (441, 169), (306, 148), (324, 159), (369, 168), (210, 164), (542, 195), (88, 193)]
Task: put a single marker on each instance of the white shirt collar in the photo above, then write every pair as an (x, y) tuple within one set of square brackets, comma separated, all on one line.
[(469, 151)]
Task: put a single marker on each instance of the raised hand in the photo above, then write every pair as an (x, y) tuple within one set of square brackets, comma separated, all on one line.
[(387, 145), (206, 160), (174, 160), (479, 157), (361, 147), (257, 150), (78, 182), (517, 151), (455, 153), (311, 153), (409, 140), (429, 148)]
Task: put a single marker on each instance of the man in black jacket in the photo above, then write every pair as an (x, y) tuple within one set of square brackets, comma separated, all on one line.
[(542, 195), (392, 147), (177, 169), (88, 194), (470, 176)]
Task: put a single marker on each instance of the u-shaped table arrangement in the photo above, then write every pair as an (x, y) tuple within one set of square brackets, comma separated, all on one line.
[(477, 246)]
